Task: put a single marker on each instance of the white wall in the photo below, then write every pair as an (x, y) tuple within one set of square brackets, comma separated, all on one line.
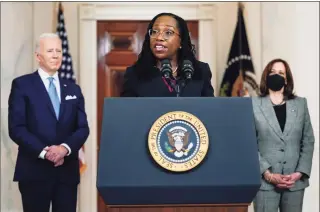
[(291, 31), (16, 59), (275, 29)]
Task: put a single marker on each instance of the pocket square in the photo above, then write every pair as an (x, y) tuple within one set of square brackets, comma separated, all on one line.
[(68, 97)]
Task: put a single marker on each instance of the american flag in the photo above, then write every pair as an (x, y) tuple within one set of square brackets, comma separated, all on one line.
[(66, 69)]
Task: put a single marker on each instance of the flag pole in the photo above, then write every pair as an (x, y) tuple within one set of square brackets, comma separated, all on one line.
[(60, 6), (56, 7), (54, 18), (241, 5)]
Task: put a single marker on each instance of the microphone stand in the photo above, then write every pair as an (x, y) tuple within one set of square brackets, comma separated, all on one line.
[(179, 86), (173, 86)]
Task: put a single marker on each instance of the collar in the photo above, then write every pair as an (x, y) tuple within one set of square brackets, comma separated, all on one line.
[(44, 75)]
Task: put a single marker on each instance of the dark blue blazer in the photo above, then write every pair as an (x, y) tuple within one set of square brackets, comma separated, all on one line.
[(33, 126), (137, 86)]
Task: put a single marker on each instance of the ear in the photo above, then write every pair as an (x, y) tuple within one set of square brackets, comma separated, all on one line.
[(37, 56)]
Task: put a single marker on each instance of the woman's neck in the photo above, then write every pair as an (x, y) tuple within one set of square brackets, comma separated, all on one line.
[(276, 96)]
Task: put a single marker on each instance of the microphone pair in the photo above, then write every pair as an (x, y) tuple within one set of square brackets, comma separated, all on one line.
[(166, 69)]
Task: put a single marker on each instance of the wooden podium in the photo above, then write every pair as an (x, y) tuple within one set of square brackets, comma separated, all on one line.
[(182, 208), (129, 179)]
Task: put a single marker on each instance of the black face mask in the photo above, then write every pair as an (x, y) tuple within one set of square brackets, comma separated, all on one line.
[(275, 82)]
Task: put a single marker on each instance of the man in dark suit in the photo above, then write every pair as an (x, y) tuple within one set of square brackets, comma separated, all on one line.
[(47, 120)]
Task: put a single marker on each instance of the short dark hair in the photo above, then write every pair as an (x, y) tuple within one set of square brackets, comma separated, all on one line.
[(288, 88), (146, 61)]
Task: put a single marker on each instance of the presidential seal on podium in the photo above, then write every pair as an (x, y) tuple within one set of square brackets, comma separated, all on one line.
[(178, 141)]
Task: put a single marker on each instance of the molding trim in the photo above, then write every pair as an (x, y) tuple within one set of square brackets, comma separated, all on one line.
[(132, 10)]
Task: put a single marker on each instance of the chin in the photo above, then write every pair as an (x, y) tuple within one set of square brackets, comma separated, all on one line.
[(161, 56), (54, 69)]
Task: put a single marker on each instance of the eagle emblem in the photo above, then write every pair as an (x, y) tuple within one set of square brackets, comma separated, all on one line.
[(179, 143), (175, 143)]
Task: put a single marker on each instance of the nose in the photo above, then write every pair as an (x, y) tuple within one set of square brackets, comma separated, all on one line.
[(55, 54), (160, 37)]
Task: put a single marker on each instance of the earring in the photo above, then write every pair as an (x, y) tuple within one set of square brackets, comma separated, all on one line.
[(180, 47)]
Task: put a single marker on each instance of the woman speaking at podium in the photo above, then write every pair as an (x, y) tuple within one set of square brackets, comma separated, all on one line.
[(167, 66)]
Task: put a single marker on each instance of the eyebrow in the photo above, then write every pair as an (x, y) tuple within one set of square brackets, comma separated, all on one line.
[(164, 25), (53, 49)]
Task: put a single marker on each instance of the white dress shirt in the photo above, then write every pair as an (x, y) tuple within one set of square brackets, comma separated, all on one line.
[(44, 77)]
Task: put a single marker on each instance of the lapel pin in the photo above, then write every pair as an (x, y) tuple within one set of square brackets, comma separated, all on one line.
[(64, 85)]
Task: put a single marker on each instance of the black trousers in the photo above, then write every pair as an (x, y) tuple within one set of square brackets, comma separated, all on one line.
[(37, 196)]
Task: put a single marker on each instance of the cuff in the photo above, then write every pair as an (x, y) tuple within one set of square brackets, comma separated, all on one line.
[(303, 175), (68, 148), (43, 154)]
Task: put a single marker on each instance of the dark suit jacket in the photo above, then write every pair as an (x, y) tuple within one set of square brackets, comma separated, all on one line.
[(135, 86), (288, 151), (33, 126)]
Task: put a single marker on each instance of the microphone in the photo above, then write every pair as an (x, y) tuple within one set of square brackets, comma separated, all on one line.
[(187, 69), (166, 69)]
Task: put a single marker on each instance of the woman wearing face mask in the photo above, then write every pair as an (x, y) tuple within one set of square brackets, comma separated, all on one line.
[(167, 37), (285, 141)]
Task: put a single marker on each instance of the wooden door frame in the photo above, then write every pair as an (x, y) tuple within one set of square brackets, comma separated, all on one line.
[(89, 14)]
